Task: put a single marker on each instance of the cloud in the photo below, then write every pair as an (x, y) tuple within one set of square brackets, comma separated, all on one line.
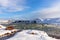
[(51, 12), (12, 5)]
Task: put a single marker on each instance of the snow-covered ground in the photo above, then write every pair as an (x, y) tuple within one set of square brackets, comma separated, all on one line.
[(26, 34), (31, 35)]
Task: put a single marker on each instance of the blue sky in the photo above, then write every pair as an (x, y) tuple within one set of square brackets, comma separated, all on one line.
[(29, 9)]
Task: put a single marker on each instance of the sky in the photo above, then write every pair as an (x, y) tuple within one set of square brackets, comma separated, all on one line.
[(29, 9)]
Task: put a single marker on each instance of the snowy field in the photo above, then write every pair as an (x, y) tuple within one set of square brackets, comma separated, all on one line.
[(26, 35), (31, 35)]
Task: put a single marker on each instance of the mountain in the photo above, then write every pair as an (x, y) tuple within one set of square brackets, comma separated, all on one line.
[(40, 20), (50, 20)]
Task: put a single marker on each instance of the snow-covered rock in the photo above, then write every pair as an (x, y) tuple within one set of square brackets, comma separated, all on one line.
[(2, 27), (4, 32), (31, 35)]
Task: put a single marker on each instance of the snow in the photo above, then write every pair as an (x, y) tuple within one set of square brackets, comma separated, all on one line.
[(2, 27), (26, 34), (2, 32), (31, 35)]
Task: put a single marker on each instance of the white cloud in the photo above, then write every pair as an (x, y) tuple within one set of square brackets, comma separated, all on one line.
[(51, 12), (12, 5)]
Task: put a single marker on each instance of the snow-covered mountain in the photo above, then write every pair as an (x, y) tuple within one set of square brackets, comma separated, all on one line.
[(50, 20), (40, 20)]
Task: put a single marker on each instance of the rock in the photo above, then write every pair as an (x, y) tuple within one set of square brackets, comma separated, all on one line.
[(9, 28)]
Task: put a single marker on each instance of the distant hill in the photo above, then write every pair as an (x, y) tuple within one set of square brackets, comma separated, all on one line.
[(38, 20)]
